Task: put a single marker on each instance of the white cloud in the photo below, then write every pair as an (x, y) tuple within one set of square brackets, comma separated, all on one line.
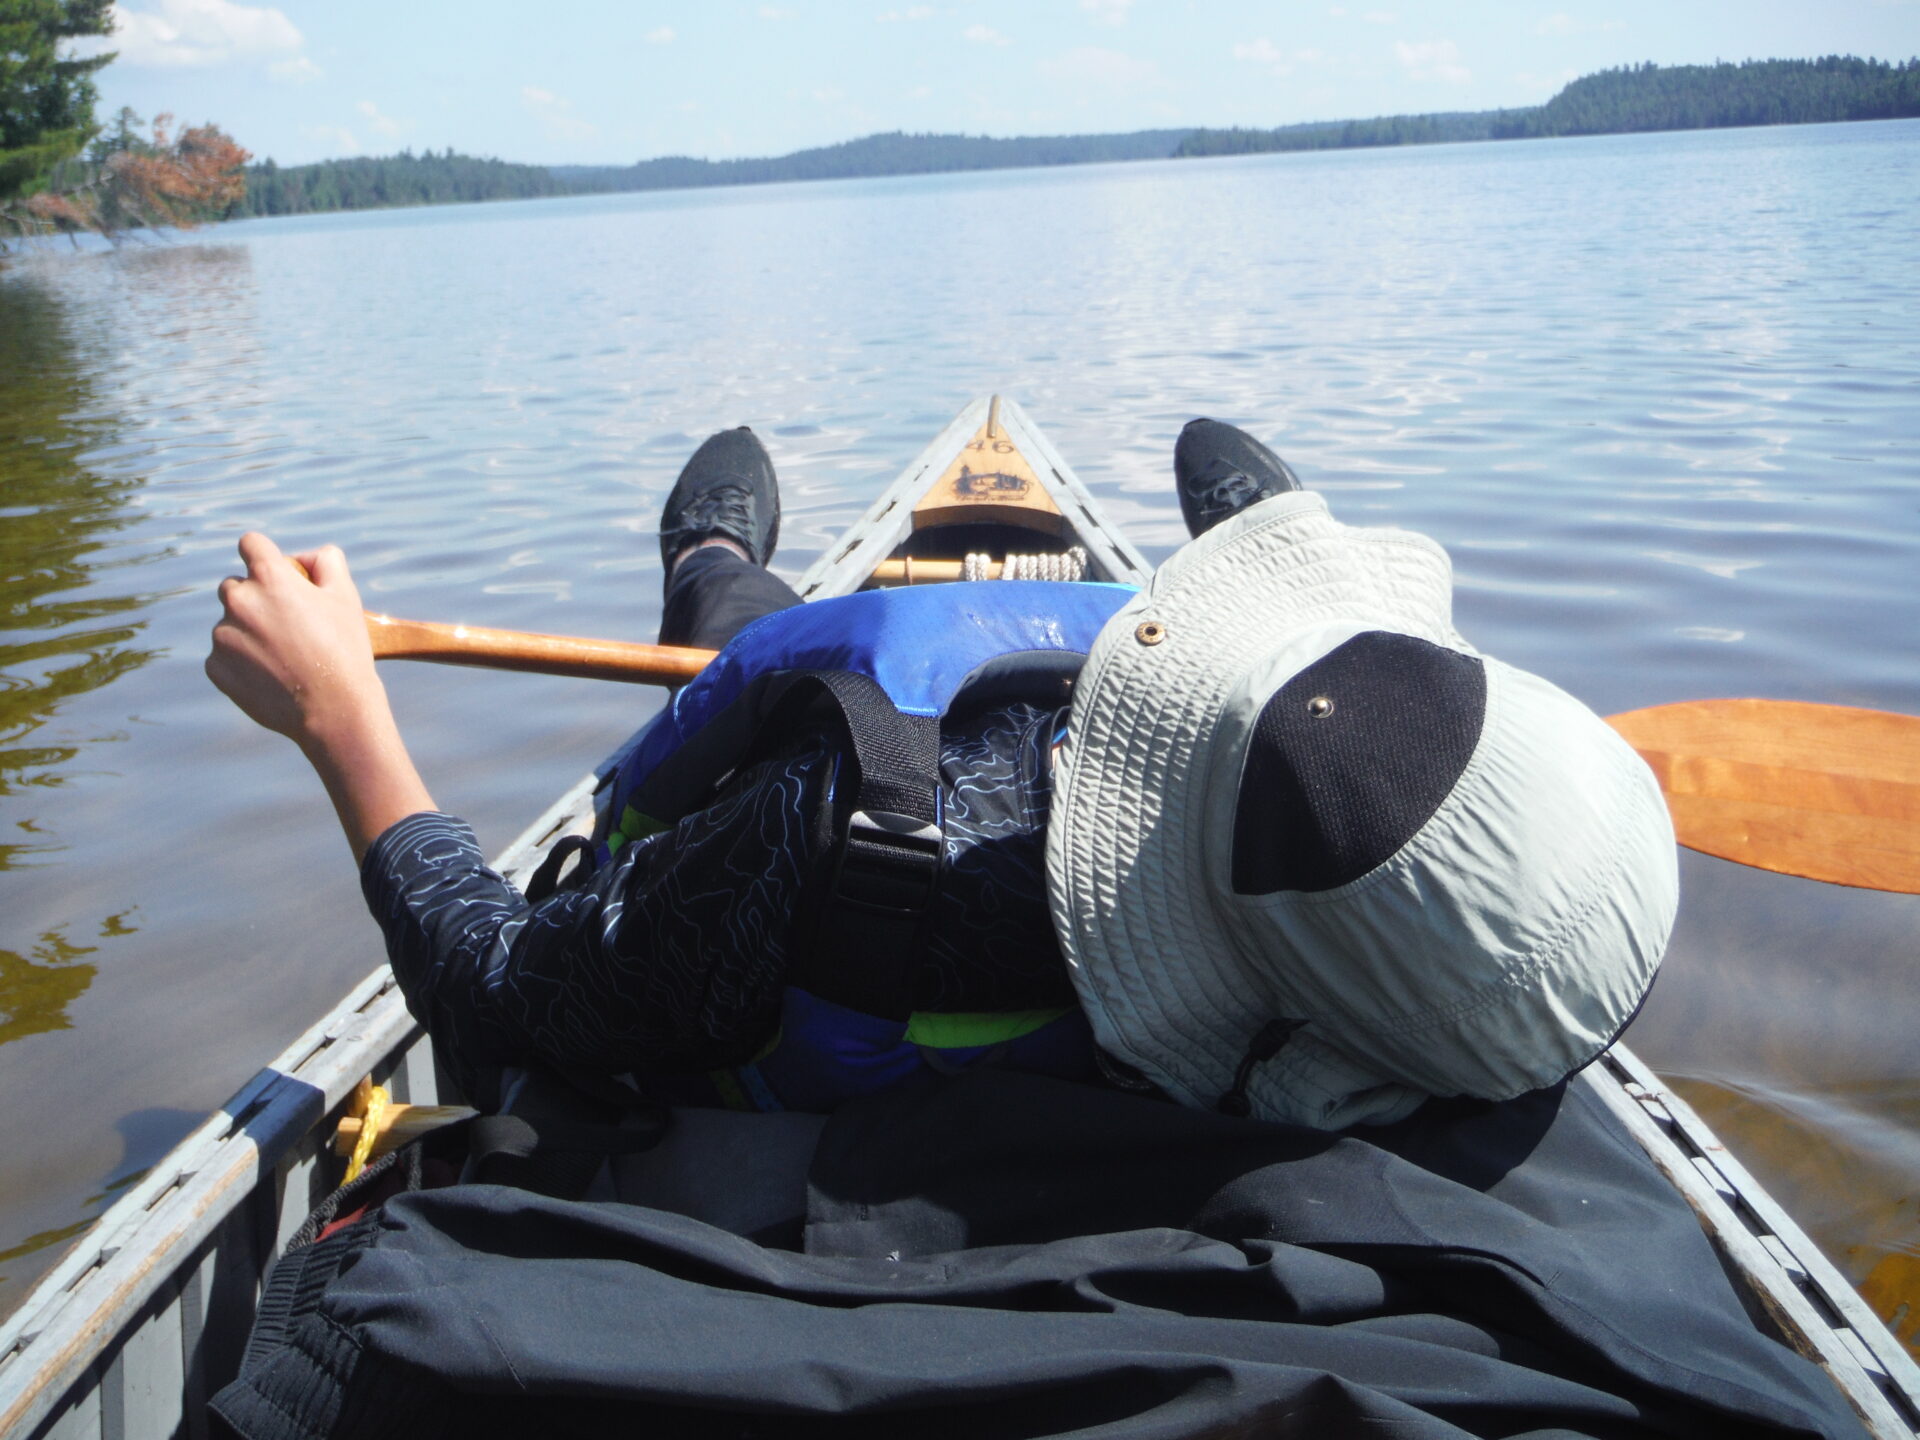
[(1433, 60), (1380, 17), (912, 12), (299, 70), (774, 12), (385, 124), (1337, 11), (200, 32), (1107, 12), (829, 96), (920, 92), (662, 36), (984, 35), (1562, 23), (334, 135), (1264, 52), (1096, 68), (555, 115)]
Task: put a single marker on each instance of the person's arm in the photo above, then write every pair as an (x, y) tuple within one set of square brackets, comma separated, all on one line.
[(291, 650), (671, 958)]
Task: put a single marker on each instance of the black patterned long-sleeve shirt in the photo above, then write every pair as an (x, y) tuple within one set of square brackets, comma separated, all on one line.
[(672, 957)]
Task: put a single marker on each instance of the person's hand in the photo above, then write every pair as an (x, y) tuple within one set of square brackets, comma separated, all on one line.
[(292, 650)]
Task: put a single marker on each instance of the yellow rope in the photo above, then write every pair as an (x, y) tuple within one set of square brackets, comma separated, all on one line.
[(377, 1102)]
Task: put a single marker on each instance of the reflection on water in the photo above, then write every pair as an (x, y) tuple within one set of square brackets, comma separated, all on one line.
[(67, 624), (36, 989)]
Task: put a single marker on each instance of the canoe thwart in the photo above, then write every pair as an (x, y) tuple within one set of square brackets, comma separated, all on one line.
[(1070, 564), (375, 1124)]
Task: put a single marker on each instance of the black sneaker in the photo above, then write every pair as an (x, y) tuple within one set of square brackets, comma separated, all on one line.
[(1220, 470), (727, 489)]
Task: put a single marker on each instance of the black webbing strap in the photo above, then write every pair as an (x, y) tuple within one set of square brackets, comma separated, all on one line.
[(862, 940), (560, 1132), (546, 879)]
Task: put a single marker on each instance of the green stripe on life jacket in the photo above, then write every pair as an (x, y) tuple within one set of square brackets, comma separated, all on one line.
[(961, 1030)]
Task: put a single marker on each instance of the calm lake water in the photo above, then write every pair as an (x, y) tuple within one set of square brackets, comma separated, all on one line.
[(1658, 395)]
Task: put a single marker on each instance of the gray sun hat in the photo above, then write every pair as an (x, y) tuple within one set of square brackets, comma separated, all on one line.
[(1314, 858)]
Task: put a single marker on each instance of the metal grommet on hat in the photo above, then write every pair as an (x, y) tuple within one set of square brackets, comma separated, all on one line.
[(1150, 632)]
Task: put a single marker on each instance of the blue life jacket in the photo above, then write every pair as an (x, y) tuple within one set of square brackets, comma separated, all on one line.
[(880, 668)]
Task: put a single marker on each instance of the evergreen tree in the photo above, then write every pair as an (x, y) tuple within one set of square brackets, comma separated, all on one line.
[(46, 102), (377, 182), (1632, 98)]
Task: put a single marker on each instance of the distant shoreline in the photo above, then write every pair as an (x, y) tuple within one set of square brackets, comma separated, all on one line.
[(1631, 100)]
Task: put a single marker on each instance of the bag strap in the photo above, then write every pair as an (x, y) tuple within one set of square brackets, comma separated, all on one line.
[(563, 1127), (887, 849), (546, 880)]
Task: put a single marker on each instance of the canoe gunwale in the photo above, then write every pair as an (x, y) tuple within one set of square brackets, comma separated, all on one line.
[(150, 1308)]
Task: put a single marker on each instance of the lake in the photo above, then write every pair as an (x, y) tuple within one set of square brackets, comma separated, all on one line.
[(1658, 395)]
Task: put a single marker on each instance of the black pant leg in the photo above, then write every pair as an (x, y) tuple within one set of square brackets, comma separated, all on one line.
[(714, 593)]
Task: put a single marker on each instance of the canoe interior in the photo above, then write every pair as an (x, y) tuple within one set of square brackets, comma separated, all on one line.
[(146, 1315)]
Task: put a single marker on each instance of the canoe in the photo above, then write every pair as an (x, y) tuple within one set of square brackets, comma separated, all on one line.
[(147, 1315)]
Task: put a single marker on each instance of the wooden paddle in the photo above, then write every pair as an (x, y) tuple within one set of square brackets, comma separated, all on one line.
[(1822, 791), (543, 654)]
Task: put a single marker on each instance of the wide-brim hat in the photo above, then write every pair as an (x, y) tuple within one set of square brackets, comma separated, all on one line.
[(1294, 808)]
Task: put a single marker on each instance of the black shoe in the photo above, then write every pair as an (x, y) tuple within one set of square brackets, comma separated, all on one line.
[(727, 489), (1220, 470)]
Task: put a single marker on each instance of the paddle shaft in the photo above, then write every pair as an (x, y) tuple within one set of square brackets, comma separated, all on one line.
[(542, 654), (1820, 791)]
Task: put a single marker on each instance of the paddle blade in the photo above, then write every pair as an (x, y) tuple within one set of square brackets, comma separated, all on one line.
[(1823, 791)]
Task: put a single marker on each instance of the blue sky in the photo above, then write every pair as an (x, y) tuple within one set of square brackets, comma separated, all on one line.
[(606, 82)]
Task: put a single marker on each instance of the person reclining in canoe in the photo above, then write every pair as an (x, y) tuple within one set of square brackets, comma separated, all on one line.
[(1294, 849)]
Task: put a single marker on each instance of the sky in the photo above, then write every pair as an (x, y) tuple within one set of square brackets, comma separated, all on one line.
[(614, 81)]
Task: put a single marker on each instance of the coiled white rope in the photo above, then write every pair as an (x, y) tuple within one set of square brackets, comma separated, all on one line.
[(1070, 564)]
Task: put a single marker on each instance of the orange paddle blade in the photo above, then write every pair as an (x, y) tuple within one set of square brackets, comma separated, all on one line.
[(1824, 791)]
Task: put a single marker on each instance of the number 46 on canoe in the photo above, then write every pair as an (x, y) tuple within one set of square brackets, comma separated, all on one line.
[(1828, 792)]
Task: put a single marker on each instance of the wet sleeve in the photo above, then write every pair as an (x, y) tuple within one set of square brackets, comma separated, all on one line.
[(672, 957)]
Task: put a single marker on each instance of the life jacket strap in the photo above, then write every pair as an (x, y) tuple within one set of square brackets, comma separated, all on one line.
[(860, 940)]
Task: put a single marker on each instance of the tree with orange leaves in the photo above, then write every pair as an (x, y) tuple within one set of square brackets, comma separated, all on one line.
[(171, 181)]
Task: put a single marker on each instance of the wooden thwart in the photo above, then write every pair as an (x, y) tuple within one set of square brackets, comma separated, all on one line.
[(398, 1125)]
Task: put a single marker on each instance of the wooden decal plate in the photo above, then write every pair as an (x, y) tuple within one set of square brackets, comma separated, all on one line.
[(990, 482)]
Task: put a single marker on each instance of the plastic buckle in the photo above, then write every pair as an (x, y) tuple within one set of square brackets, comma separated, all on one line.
[(889, 862)]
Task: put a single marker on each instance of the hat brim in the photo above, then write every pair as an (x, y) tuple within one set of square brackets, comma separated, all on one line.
[(1126, 838)]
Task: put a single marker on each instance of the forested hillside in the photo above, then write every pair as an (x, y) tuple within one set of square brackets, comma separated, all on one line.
[(368, 183), (1637, 97), (895, 153), (1433, 129), (1633, 98), (1759, 92)]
